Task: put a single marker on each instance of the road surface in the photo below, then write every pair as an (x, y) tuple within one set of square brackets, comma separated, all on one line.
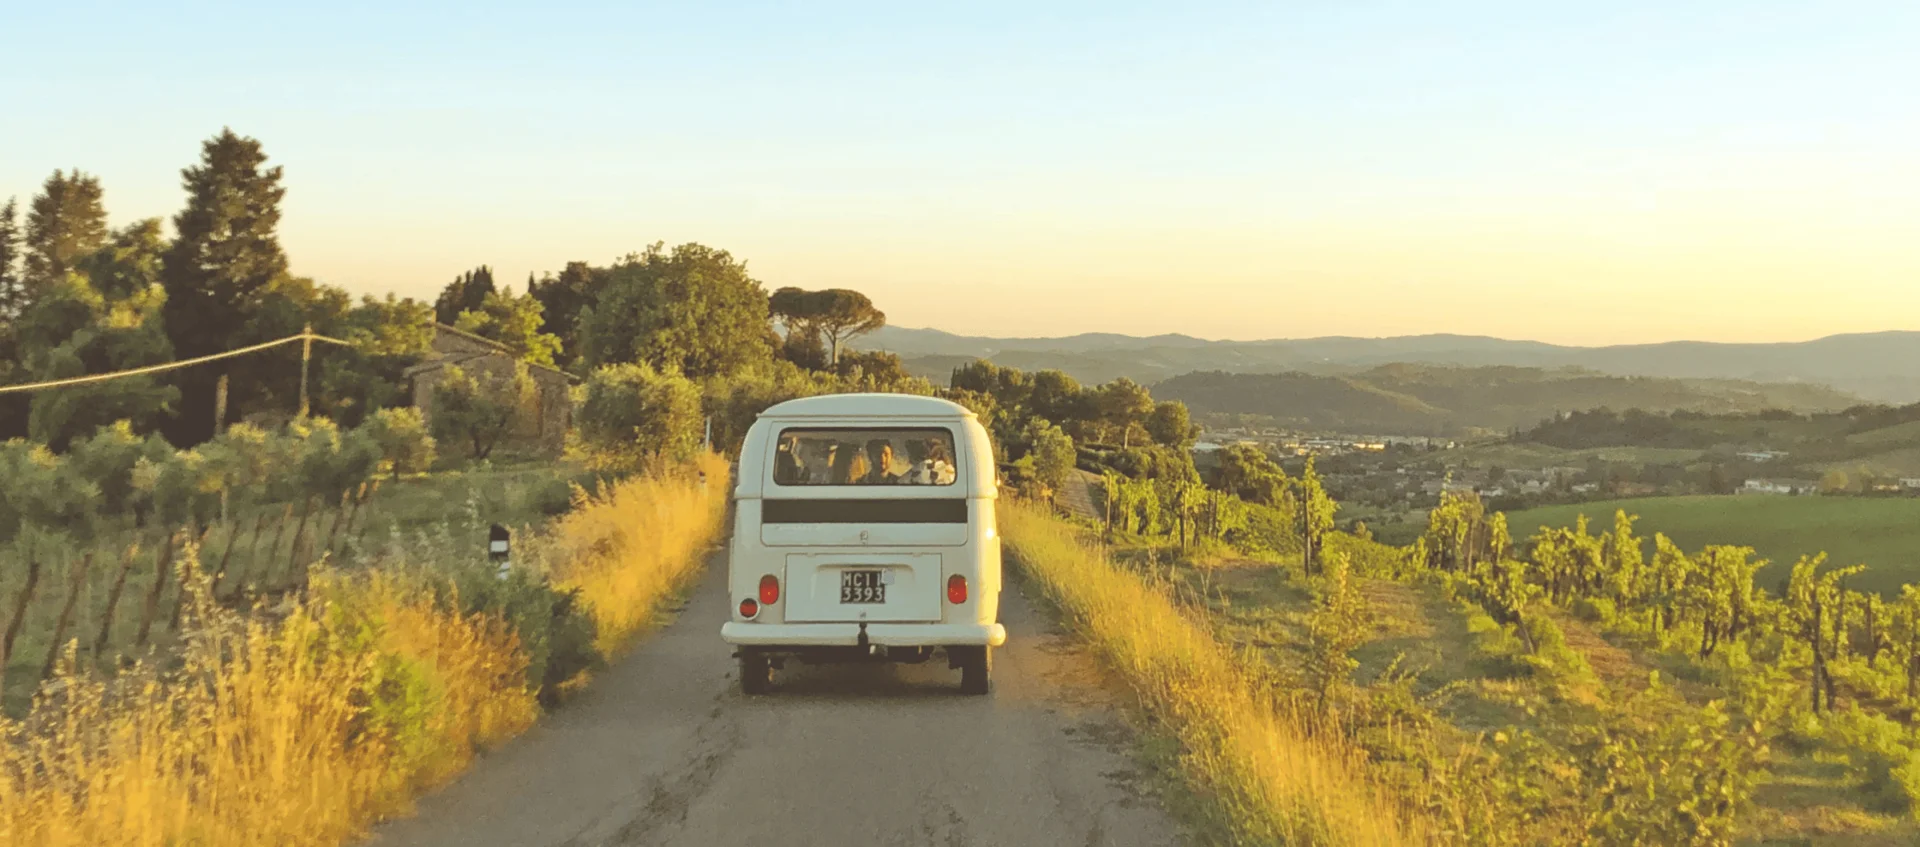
[(663, 749)]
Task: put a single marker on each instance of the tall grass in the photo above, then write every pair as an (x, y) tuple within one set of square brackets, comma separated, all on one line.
[(1270, 774), (299, 732), (631, 547), (304, 725)]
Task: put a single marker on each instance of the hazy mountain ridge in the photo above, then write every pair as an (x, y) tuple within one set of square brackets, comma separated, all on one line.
[(1412, 399), (1882, 367)]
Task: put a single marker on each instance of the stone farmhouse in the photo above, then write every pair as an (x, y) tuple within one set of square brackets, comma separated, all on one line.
[(543, 426)]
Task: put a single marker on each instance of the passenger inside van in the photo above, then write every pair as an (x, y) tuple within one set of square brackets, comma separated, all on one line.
[(850, 466), (880, 457)]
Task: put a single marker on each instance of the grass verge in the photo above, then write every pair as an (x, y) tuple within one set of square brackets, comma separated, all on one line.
[(306, 724), (1268, 774)]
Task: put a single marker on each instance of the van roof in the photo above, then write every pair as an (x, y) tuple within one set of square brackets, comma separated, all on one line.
[(868, 405)]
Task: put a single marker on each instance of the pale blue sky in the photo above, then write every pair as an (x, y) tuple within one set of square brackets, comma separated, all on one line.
[(1737, 171)]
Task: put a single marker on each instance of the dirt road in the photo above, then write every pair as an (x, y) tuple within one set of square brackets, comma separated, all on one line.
[(664, 750)]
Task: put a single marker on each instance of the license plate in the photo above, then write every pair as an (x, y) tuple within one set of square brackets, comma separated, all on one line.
[(862, 587)]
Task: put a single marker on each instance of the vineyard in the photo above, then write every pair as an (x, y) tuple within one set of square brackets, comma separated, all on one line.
[(329, 613), (1584, 685)]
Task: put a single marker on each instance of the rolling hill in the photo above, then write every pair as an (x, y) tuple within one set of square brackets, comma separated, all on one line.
[(1880, 367), (1437, 400)]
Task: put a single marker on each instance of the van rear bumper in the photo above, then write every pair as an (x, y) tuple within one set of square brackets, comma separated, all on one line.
[(848, 634)]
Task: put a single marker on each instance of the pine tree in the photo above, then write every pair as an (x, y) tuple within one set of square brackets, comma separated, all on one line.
[(66, 223), (12, 289), (13, 407), (219, 267)]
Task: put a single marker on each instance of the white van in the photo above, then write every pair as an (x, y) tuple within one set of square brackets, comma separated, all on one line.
[(864, 531)]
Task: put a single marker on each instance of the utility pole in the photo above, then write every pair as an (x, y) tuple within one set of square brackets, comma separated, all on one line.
[(220, 406), (306, 356)]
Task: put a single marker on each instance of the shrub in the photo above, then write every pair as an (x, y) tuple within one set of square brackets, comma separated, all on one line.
[(42, 490), (634, 416), (405, 443), (332, 462), (108, 457)]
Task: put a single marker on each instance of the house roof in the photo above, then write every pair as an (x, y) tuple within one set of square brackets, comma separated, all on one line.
[(501, 349)]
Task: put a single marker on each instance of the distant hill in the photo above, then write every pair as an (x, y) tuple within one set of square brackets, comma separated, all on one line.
[(1443, 400), (1881, 367)]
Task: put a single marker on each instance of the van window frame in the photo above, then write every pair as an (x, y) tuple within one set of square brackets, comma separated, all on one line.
[(952, 433)]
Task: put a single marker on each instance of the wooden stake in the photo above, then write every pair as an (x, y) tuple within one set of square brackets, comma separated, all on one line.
[(339, 517), (152, 607), (299, 532), (306, 356), (259, 523), (76, 585), (20, 605), (113, 599)]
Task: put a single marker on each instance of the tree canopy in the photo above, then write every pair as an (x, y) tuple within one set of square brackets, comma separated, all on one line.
[(831, 316), (224, 258), (694, 310)]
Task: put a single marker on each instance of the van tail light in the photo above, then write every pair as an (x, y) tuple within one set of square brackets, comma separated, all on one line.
[(749, 608), (769, 590), (956, 589)]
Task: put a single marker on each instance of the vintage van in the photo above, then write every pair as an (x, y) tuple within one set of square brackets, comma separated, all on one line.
[(864, 531)]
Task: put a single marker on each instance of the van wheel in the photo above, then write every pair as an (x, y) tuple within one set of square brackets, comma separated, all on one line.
[(756, 674), (976, 669)]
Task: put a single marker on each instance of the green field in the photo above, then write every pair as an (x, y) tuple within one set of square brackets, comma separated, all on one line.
[(1883, 533)]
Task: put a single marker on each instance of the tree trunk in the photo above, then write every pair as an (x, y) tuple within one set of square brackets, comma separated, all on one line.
[(21, 603), (152, 607), (273, 550), (75, 585), (359, 497), (299, 534), (105, 640), (1873, 634), (220, 573), (1819, 660), (338, 518)]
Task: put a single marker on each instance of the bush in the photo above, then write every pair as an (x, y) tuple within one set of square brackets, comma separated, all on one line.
[(332, 462), (404, 441), (42, 489), (634, 416), (108, 457)]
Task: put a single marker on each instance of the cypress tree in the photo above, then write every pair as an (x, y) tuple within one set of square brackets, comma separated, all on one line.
[(12, 288), (226, 255), (66, 223)]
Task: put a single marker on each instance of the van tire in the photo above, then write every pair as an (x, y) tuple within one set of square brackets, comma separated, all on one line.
[(756, 674), (976, 669)]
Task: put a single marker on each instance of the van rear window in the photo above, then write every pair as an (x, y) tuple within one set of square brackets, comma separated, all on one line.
[(859, 456)]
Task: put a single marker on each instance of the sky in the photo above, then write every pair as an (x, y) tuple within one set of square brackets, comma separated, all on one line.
[(1627, 172)]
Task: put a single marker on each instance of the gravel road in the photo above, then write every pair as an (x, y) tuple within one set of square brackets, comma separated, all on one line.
[(663, 749)]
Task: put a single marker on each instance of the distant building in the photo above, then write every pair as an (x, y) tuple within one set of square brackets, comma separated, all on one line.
[(1763, 455), (544, 425), (1778, 486), (1910, 483)]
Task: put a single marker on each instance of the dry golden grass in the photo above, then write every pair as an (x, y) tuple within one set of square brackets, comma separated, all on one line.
[(301, 732), (631, 547), (1269, 778), (307, 726)]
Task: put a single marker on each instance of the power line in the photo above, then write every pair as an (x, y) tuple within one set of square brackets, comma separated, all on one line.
[(183, 363)]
